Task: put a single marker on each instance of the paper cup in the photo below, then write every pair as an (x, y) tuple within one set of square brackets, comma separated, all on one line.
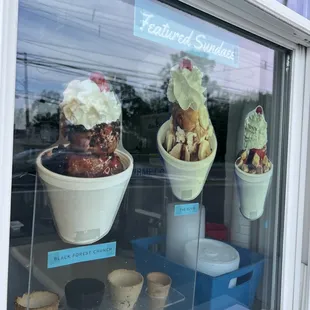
[(187, 178), (84, 293), (253, 189), (84, 209), (158, 287), (37, 301), (125, 288)]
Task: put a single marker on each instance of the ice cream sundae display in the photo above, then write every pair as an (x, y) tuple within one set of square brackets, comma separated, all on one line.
[(91, 112), (90, 174), (190, 126), (187, 141), (253, 167)]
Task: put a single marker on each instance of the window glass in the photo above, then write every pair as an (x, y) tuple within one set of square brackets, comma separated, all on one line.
[(148, 159)]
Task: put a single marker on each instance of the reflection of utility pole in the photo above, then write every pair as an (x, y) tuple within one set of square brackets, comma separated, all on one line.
[(26, 90)]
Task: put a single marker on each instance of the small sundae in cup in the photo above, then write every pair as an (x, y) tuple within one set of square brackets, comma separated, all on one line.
[(187, 141), (87, 178), (253, 167)]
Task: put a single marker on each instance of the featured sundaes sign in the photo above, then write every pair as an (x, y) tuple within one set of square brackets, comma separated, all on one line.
[(157, 23)]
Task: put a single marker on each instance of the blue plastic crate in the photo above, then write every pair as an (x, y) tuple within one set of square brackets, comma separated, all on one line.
[(207, 288)]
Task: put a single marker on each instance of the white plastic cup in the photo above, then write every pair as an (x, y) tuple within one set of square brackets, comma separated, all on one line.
[(253, 189), (213, 258), (84, 209), (181, 229), (187, 178)]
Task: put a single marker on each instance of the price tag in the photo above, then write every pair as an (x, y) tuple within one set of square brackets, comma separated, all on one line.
[(186, 209), (80, 254)]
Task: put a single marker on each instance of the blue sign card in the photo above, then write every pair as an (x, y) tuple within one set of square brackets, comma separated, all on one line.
[(158, 23), (80, 254), (186, 209)]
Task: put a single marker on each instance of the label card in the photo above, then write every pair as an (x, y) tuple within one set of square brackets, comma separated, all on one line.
[(186, 209), (80, 254), (158, 23)]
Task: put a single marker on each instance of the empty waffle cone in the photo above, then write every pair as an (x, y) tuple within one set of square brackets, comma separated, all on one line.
[(38, 301), (158, 287), (125, 288)]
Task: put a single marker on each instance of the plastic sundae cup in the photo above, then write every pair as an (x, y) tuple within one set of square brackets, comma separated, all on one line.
[(42, 300), (187, 178), (84, 209), (125, 288), (158, 287), (253, 189)]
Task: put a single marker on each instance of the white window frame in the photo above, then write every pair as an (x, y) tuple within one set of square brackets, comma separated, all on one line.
[(265, 18)]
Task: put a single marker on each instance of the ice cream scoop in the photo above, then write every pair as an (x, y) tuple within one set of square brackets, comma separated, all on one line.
[(253, 157)]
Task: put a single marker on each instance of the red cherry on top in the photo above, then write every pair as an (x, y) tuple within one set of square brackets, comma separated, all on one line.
[(186, 63), (259, 110), (99, 79)]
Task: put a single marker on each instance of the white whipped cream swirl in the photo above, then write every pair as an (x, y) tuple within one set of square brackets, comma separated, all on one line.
[(84, 104), (185, 88), (255, 131)]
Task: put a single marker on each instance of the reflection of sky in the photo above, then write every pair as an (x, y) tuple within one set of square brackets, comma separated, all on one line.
[(97, 35)]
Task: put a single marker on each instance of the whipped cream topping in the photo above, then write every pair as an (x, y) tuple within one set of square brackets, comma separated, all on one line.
[(185, 88), (255, 130), (85, 104)]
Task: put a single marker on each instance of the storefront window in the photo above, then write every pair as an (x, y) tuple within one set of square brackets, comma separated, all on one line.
[(148, 159)]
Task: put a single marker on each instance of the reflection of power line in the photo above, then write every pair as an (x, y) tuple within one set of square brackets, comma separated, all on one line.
[(26, 90), (87, 51), (77, 14), (112, 38), (77, 66), (121, 40), (70, 71)]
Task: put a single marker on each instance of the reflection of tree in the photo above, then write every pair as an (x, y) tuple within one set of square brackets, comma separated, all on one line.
[(46, 109), (135, 105), (132, 105)]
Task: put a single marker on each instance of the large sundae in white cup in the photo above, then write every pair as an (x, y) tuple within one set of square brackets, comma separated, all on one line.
[(86, 179), (253, 169), (187, 141)]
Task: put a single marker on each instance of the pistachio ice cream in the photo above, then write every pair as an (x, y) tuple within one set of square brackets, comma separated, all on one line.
[(253, 158)]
